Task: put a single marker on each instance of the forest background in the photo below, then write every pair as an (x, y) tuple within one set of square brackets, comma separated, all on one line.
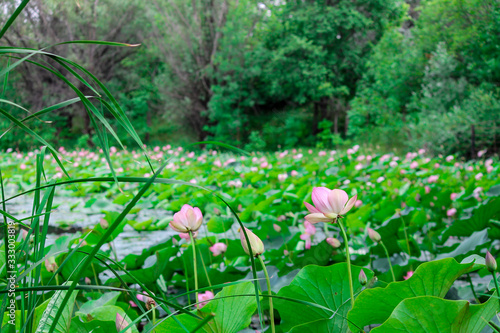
[(265, 75)]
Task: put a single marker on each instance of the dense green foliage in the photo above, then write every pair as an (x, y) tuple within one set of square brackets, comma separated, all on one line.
[(259, 75), (434, 215)]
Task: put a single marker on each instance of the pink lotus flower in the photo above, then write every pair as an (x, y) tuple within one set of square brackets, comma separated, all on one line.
[(310, 230), (121, 323), (478, 176), (294, 173), (450, 212), (328, 204), (427, 189), (413, 165), (449, 158), (188, 219), (204, 298), (453, 196), (408, 275), (432, 179), (282, 177), (358, 203), (218, 249), (185, 235)]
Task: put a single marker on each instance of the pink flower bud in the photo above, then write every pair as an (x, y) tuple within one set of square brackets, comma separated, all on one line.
[(408, 275), (362, 278), (255, 243), (334, 242), (491, 263), (374, 236)]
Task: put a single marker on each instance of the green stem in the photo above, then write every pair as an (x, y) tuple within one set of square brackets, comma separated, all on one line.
[(407, 240), (270, 293), (472, 287), (389, 260), (187, 280), (348, 257), (193, 245), (154, 317), (204, 268), (496, 284)]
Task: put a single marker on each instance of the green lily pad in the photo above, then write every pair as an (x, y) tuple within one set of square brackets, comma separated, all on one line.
[(429, 314), (374, 306), (325, 286)]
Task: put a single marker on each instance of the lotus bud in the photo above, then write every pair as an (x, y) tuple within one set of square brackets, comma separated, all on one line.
[(362, 278), (121, 323), (491, 263), (150, 302), (334, 242), (276, 227), (50, 264), (255, 243), (374, 236), (104, 224)]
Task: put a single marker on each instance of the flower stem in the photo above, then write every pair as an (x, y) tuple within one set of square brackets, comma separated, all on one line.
[(472, 288), (348, 257), (496, 284), (154, 317), (204, 268), (270, 293), (389, 260), (193, 245), (407, 240)]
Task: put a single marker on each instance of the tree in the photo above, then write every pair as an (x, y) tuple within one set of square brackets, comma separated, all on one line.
[(45, 23), (187, 35)]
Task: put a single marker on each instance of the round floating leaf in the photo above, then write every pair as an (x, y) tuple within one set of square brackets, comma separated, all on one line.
[(325, 286), (374, 306), (429, 314)]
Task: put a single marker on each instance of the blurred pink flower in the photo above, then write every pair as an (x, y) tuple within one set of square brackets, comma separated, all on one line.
[(481, 153), (282, 177), (414, 165), (310, 230), (333, 242), (294, 173), (450, 212), (328, 204), (185, 235), (121, 323), (478, 176), (449, 158), (322, 153), (408, 275), (218, 249), (432, 179), (358, 203), (427, 189), (453, 196), (489, 168)]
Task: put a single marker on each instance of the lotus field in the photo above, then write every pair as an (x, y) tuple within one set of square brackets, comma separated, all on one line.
[(299, 240)]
